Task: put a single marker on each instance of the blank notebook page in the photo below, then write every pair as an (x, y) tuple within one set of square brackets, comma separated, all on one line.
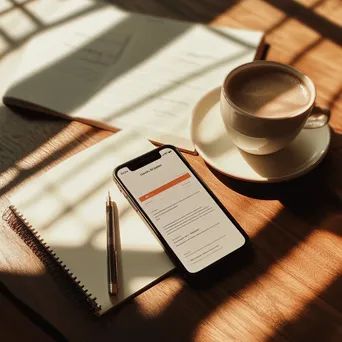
[(112, 68), (66, 206)]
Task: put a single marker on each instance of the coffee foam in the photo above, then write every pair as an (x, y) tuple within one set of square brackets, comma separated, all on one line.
[(268, 92)]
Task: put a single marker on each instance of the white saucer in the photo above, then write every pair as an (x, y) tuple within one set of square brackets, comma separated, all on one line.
[(214, 145)]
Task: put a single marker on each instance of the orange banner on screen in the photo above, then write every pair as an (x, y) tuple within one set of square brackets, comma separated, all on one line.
[(164, 187)]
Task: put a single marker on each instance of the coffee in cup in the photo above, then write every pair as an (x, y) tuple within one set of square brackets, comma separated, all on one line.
[(268, 91), (264, 105)]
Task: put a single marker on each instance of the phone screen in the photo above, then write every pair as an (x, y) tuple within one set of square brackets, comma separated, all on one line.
[(188, 218)]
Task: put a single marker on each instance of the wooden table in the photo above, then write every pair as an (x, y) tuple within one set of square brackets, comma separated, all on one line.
[(293, 289)]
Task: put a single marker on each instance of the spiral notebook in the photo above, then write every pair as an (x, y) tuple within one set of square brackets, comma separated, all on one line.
[(62, 218)]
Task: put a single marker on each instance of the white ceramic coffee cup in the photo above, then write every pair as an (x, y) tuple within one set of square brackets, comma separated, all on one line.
[(264, 135)]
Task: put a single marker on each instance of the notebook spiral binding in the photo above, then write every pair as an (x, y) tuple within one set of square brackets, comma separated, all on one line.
[(53, 263)]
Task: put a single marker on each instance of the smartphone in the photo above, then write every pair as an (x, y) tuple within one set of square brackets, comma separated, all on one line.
[(196, 230)]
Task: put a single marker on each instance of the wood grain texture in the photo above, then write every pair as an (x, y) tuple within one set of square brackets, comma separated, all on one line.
[(292, 290)]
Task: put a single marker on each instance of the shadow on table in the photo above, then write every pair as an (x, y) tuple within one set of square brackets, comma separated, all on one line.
[(312, 324), (314, 182), (305, 211), (312, 19), (307, 203), (311, 203), (188, 309)]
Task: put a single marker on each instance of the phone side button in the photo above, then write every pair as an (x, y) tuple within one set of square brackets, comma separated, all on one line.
[(122, 192), (134, 207), (131, 203)]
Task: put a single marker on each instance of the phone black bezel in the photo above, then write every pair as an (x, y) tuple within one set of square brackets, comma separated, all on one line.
[(146, 159)]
